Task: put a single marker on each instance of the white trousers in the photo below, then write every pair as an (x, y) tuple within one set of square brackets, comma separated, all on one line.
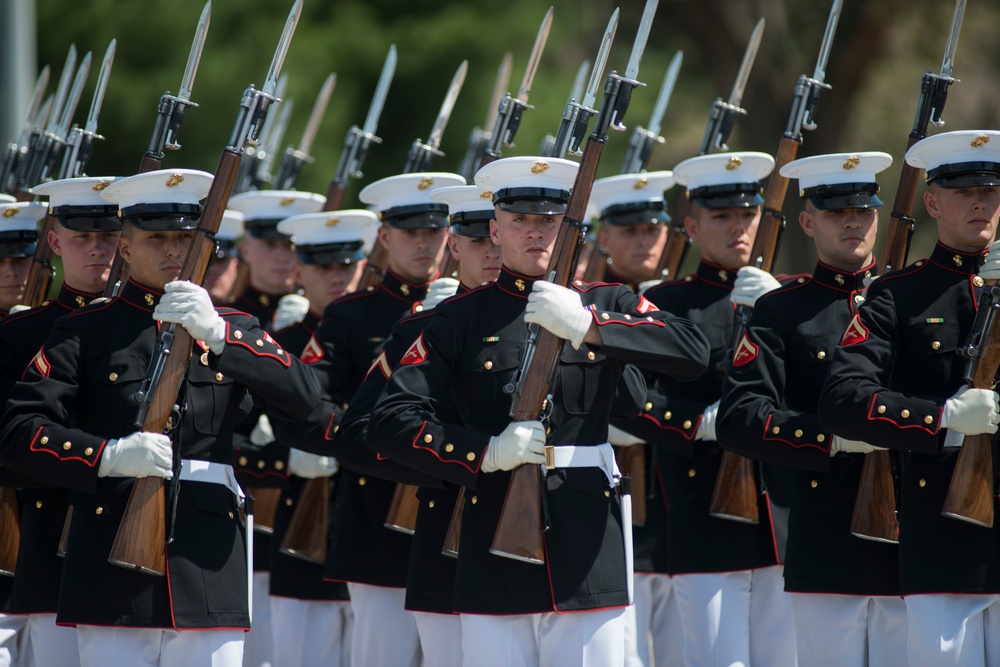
[(581, 639), (11, 639), (50, 644), (440, 638), (385, 634), (952, 630), (736, 619), (258, 649), (837, 630), (311, 632), (143, 647), (658, 623)]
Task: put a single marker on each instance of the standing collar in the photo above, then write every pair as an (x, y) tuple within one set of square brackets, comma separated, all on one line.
[(260, 299), (404, 289), (716, 275), (842, 281), (966, 263), (71, 299), (140, 296), (611, 276), (515, 283)]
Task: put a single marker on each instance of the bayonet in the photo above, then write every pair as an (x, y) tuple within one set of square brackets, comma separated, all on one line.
[(723, 115), (499, 89), (31, 119), (666, 91), (62, 88), (75, 93), (291, 162), (252, 169), (639, 46), (640, 147), (16, 150), (102, 83), (194, 56), (479, 138), (421, 153), (949, 50), (274, 140), (579, 81), (381, 91), (536, 56), (749, 56), (271, 82), (81, 141)]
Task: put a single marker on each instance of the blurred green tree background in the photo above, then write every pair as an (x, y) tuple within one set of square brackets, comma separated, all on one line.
[(881, 50)]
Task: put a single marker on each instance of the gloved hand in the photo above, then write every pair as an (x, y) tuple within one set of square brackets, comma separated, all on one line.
[(620, 438), (142, 454), (706, 429), (991, 269), (310, 466), (560, 310), (838, 444), (18, 308), (520, 442), (751, 284), (646, 284), (972, 411), (438, 291), (262, 433), (190, 306), (292, 309)]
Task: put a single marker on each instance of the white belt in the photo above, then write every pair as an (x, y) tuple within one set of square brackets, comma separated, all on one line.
[(593, 456)]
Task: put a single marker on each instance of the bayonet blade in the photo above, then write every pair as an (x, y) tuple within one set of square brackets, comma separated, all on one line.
[(31, 118), (666, 91), (194, 57), (597, 75), (316, 115), (819, 74), (43, 113), (102, 85), (536, 56), (736, 96), (639, 46), (579, 82), (62, 126), (267, 129), (949, 50), (434, 140), (271, 82), (499, 90), (381, 90), (62, 89)]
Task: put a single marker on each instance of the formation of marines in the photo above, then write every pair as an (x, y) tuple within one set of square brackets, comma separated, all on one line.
[(483, 420)]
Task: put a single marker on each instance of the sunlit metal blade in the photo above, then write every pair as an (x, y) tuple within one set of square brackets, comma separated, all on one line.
[(316, 115), (279, 54), (949, 50), (101, 87), (824, 49), (73, 99), (31, 118), (434, 140), (597, 75), (381, 91), (736, 96), (666, 90), (639, 46), (194, 57), (499, 90), (536, 56), (65, 77)]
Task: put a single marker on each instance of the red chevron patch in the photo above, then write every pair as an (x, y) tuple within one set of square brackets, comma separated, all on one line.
[(417, 354), (746, 352), (646, 306), (382, 364), (313, 351), (856, 332), (41, 364)]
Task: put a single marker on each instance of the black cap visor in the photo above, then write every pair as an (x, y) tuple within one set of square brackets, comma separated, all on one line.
[(730, 195), (418, 216), (533, 201), (965, 175), (843, 195)]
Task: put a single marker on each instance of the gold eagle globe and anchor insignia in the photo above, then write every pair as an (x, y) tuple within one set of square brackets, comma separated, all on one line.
[(640, 183), (539, 167), (735, 162), (100, 185), (980, 141), (852, 162), (425, 183), (957, 259), (149, 299), (175, 180), (519, 284)]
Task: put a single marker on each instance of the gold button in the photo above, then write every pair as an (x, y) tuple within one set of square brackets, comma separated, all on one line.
[(38, 504), (881, 409), (647, 407), (692, 472), (288, 502), (237, 334), (776, 430), (686, 424), (260, 343), (605, 316), (280, 351), (99, 510), (488, 365), (336, 428), (928, 419), (113, 376), (428, 438), (978, 281), (667, 415), (922, 483), (45, 440), (449, 448), (798, 433), (219, 376), (470, 457), (475, 499), (204, 359), (627, 316), (821, 354), (820, 438), (607, 494), (904, 414), (814, 484), (231, 515), (260, 465), (279, 465), (67, 445), (431, 504), (936, 345), (88, 451), (362, 481), (242, 460), (591, 356)]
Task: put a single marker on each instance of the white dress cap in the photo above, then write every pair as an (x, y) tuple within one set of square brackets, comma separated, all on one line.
[(470, 208), (18, 216), (231, 227), (164, 186), (85, 191), (724, 180), (331, 237), (275, 204), (533, 185), (839, 180), (631, 192), (966, 158)]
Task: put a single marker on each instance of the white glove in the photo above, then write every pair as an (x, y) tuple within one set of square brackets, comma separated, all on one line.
[(190, 306), (991, 269), (839, 444), (646, 284), (292, 309), (706, 429), (560, 310), (18, 308), (438, 291), (972, 411), (310, 466), (752, 283), (262, 433), (620, 438), (142, 454), (520, 442)]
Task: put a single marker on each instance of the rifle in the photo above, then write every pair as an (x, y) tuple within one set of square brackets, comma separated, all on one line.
[(253, 168), (510, 109), (169, 118), (479, 138), (521, 524), (290, 167), (358, 141), (548, 147), (874, 516), (15, 151), (80, 143), (141, 540), (735, 493), (721, 119)]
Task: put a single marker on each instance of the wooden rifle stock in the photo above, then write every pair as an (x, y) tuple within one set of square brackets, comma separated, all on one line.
[(141, 540), (335, 193), (265, 505), (239, 287), (11, 522), (402, 514), (632, 464), (41, 272), (449, 265), (597, 265), (454, 535), (307, 533), (675, 246)]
